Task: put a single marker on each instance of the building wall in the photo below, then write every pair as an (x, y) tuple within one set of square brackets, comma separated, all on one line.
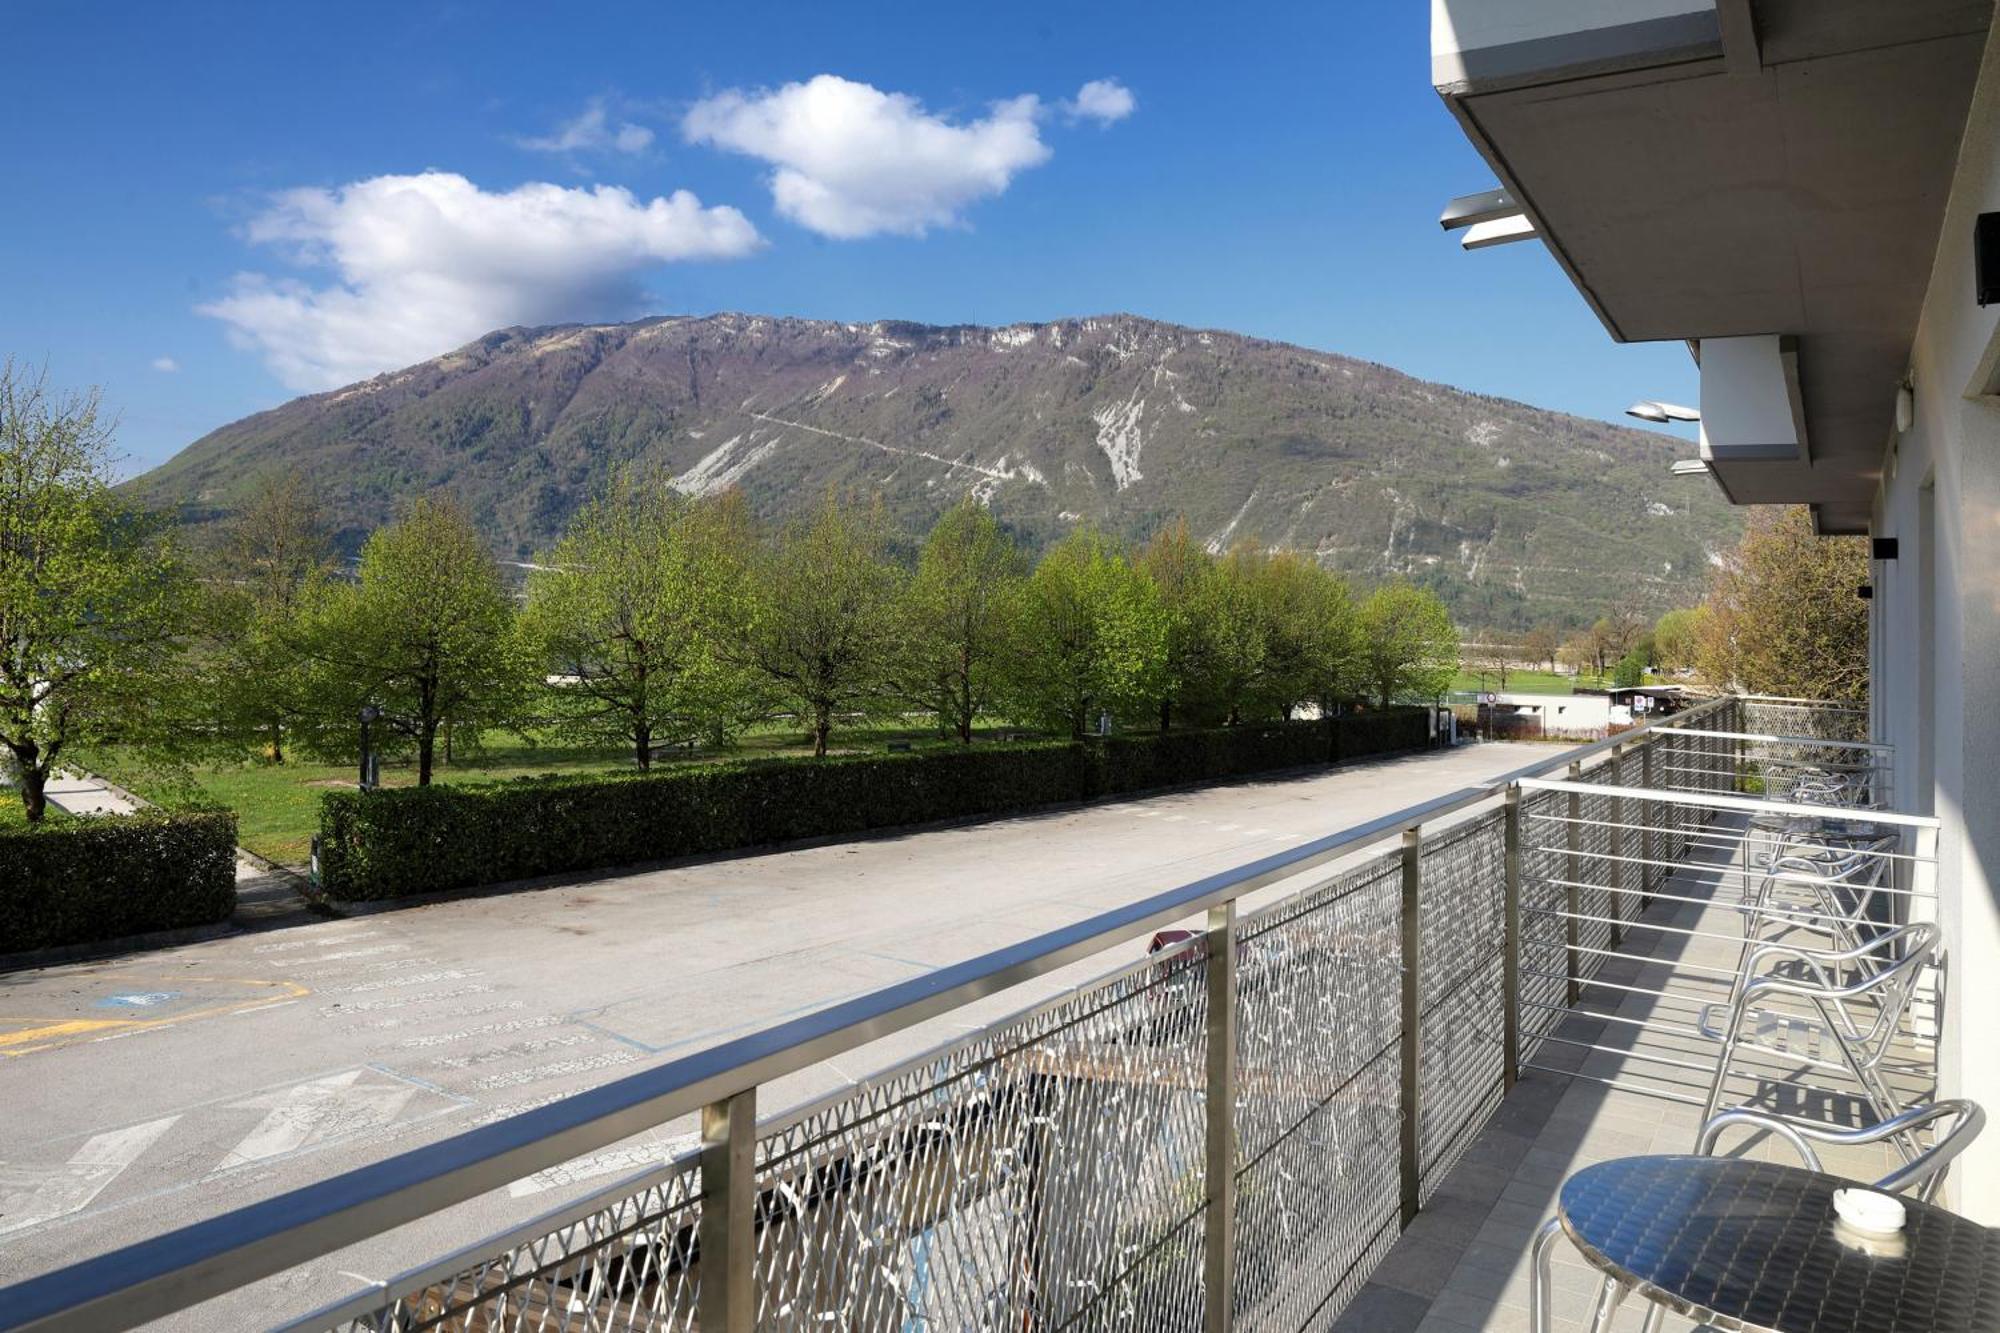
[(1938, 655)]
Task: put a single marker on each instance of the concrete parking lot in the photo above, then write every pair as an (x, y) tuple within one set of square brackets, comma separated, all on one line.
[(156, 1089)]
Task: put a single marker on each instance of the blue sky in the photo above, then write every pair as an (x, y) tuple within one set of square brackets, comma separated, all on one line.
[(212, 208)]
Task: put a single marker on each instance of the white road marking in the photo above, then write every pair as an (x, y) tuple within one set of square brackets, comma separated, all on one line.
[(30, 1196), (421, 978), (516, 1078), (322, 942), (398, 1002), (483, 1030), (360, 953), (517, 1049), (632, 1157), (308, 1113)]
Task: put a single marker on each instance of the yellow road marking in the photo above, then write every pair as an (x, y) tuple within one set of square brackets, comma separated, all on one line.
[(66, 1027), (53, 1033)]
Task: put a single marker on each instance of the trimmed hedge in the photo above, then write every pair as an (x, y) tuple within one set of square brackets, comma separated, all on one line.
[(408, 840), (99, 877)]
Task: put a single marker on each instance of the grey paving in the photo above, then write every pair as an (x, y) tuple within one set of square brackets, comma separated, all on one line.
[(153, 1090)]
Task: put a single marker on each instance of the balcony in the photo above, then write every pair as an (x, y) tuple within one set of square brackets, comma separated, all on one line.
[(1341, 1096)]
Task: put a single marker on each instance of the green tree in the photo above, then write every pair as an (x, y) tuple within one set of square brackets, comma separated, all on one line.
[(957, 615), (1310, 635), (1630, 671), (1182, 572), (1234, 618), (625, 613), (1782, 616), (1090, 638), (426, 634), (274, 553), (1408, 643), (94, 598), (1677, 638), (820, 622)]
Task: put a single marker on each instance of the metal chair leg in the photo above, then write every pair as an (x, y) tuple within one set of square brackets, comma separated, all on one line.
[(1609, 1296), (1539, 1315)]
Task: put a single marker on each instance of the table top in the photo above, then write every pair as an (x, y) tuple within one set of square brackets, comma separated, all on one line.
[(1753, 1246)]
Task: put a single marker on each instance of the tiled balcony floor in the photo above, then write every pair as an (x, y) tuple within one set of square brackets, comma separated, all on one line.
[(1463, 1264)]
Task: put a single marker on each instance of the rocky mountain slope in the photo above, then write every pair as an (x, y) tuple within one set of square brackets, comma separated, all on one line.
[(1512, 512)]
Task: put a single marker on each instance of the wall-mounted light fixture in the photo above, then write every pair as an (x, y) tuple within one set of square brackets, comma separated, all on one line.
[(1647, 409)]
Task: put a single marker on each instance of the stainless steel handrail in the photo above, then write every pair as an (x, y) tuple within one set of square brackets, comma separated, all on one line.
[(170, 1272)]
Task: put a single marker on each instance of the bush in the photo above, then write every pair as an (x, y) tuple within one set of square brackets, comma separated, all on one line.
[(71, 881), (389, 844)]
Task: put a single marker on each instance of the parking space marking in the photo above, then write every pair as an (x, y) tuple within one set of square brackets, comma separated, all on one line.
[(29, 1035)]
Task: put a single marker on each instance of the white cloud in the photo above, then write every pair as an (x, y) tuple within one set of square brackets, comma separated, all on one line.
[(1102, 100), (426, 263), (166, 365), (851, 160), (592, 131)]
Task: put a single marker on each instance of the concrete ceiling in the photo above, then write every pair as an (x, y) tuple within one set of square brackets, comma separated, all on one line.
[(1799, 194)]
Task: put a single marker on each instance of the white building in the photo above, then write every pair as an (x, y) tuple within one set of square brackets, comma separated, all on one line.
[(1795, 188)]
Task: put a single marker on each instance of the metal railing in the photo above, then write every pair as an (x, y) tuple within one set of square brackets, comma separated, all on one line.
[(1233, 1129)]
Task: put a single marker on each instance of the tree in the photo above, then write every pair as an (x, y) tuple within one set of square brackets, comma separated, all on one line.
[(967, 582), (1614, 636), (1408, 643), (1677, 638), (1782, 616), (1579, 652), (426, 634), (274, 553), (1311, 635), (820, 617), (1630, 671), (1235, 623), (1541, 644), (94, 598), (625, 613), (1181, 572), (1090, 638)]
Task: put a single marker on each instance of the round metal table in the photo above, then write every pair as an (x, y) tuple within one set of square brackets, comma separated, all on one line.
[(1748, 1245)]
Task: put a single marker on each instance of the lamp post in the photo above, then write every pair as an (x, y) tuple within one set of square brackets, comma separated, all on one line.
[(370, 774)]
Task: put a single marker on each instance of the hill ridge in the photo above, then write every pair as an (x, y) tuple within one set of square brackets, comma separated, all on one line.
[(1513, 512)]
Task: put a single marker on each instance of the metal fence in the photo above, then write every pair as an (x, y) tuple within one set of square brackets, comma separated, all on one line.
[(1228, 1133)]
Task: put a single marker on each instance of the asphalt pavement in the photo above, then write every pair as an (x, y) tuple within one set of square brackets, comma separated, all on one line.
[(156, 1089)]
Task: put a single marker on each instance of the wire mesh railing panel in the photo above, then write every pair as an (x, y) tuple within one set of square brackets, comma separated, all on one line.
[(1544, 934), (1819, 721), (1317, 1099), (1461, 1040), (620, 1268), (1048, 1171)]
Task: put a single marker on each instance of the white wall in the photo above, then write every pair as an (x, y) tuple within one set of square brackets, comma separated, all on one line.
[(1954, 448)]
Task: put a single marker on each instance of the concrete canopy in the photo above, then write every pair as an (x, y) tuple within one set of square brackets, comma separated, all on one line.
[(1727, 168)]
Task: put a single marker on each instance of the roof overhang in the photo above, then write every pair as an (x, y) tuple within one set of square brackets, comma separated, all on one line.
[(1764, 179)]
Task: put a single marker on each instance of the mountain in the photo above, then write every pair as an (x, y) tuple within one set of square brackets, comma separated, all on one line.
[(1513, 513)]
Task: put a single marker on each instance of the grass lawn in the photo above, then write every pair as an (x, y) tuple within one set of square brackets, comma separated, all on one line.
[(13, 816), (1523, 682), (277, 805)]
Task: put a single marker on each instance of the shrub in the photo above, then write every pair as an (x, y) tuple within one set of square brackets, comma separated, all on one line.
[(71, 881), (389, 844)]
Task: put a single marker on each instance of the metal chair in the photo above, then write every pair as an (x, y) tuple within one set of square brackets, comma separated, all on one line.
[(1886, 970), (1833, 886), (1925, 1168)]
